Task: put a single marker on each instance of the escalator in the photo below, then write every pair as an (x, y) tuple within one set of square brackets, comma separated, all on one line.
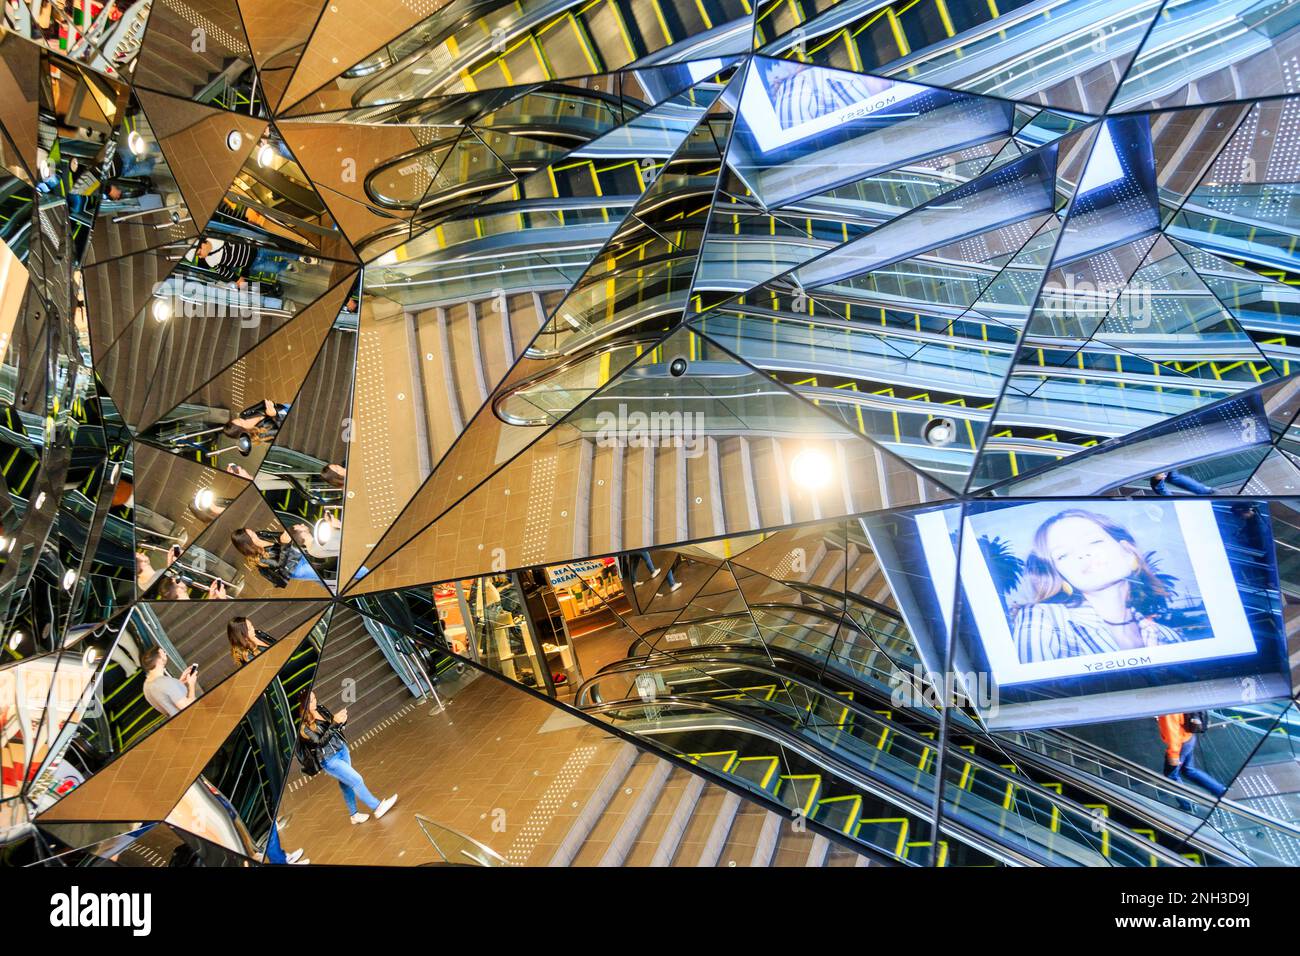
[(864, 767), (506, 145), (739, 707)]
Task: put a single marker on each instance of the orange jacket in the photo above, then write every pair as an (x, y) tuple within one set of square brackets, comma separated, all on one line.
[(1174, 736)]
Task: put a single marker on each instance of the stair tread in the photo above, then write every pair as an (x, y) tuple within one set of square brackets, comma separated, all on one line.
[(697, 832), (743, 838), (654, 832), (616, 811)]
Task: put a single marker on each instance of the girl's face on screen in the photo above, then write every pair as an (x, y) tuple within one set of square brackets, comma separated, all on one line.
[(1086, 555)]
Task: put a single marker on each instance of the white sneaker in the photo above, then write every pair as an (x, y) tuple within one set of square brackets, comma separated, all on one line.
[(302, 862), (675, 586), (385, 806), (655, 574), (294, 856), (360, 817)]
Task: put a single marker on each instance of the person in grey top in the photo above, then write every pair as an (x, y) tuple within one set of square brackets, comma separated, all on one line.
[(165, 693)]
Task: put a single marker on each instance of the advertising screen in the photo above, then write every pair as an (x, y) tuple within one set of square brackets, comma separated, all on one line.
[(785, 102), (1081, 611)]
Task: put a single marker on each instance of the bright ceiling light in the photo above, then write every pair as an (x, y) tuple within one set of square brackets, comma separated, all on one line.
[(40, 500), (135, 143), (323, 531), (161, 310), (234, 140), (69, 579), (811, 469), (17, 638), (265, 155), (204, 499)]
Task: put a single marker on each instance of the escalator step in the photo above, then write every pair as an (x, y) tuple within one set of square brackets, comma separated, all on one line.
[(888, 834), (800, 791), (760, 771), (842, 813)]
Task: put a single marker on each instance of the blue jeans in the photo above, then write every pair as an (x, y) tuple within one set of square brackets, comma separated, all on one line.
[(644, 557), (274, 853), (1179, 480), (133, 168), (339, 766), (1188, 772), (302, 571), (48, 184), (268, 260)]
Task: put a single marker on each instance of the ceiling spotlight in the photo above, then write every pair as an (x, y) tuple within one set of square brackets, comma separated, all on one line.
[(115, 474), (677, 367), (40, 500), (245, 445), (323, 532), (940, 431), (17, 638), (234, 140), (135, 143), (811, 469), (265, 155), (92, 655), (204, 499), (161, 310), (3, 542), (69, 579)]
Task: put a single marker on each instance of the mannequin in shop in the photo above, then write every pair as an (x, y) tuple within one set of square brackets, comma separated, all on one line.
[(495, 607)]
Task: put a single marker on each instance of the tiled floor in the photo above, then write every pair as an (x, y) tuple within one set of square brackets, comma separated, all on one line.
[(602, 647), (514, 773), (491, 766)]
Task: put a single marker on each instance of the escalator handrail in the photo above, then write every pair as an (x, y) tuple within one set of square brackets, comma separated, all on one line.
[(825, 615), (1147, 776), (846, 594), (1159, 780), (1022, 755), (643, 639), (842, 770), (1024, 783)]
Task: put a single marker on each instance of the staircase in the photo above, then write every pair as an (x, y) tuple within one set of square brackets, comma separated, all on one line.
[(168, 61), (634, 497), (468, 347), (354, 673), (646, 812)]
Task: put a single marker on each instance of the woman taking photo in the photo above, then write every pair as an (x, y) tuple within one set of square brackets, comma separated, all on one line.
[(1091, 592), (246, 641), (322, 737), (273, 555)]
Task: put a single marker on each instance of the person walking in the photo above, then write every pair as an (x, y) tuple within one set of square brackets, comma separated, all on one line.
[(325, 747), (1179, 732)]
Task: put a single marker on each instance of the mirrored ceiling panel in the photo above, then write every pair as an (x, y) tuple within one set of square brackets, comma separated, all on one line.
[(707, 432)]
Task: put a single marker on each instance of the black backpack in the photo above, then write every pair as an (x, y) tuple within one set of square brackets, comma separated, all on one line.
[(1196, 722), (308, 755)]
